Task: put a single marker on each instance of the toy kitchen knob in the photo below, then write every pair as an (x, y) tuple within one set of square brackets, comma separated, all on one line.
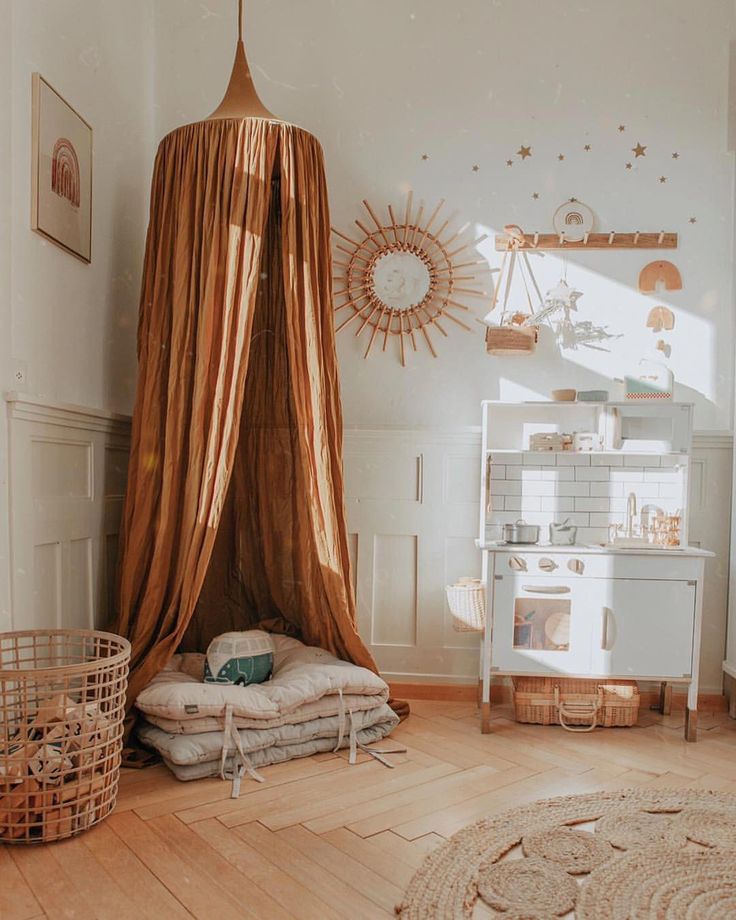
[(547, 565), (517, 564), (577, 566)]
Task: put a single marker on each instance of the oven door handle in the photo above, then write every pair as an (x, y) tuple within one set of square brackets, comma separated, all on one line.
[(546, 589), (604, 629)]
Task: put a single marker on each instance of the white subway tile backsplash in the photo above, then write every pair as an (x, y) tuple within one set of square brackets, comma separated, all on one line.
[(606, 460), (642, 460), (607, 488), (504, 517), (507, 487), (505, 457), (558, 503), (629, 475), (590, 473), (590, 489), (592, 504), (662, 476), (538, 487), (559, 474), (525, 503), (670, 490), (604, 519), (578, 518), (572, 488), (540, 458), (588, 535), (571, 459)]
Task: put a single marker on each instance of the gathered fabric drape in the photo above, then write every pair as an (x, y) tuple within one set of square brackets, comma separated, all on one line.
[(234, 510)]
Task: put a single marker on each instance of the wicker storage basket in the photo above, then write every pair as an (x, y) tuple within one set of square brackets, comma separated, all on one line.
[(509, 339), (62, 702), (467, 604), (577, 705)]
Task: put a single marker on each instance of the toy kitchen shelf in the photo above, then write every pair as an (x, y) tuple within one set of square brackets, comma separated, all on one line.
[(608, 606)]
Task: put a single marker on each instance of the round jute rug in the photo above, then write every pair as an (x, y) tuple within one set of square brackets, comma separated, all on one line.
[(629, 855)]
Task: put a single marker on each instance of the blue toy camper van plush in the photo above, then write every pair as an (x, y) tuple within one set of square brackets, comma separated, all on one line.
[(239, 658)]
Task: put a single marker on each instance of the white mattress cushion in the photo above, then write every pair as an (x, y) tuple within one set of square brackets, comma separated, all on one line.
[(306, 684), (296, 740)]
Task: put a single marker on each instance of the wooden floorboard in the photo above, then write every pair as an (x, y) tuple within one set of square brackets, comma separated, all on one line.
[(323, 840)]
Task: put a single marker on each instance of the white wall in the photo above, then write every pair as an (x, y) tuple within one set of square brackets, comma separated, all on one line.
[(381, 82), (70, 326), (74, 324)]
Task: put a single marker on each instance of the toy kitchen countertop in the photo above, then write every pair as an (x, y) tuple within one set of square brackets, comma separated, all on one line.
[(594, 548)]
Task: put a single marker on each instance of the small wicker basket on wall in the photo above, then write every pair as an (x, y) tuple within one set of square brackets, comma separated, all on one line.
[(62, 703)]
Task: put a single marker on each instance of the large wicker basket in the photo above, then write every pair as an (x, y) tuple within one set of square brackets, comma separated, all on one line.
[(577, 705), (62, 702)]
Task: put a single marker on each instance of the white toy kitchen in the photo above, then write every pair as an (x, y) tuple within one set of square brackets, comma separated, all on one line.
[(610, 588)]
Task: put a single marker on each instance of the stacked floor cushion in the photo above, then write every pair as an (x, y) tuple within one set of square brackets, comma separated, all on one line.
[(313, 702)]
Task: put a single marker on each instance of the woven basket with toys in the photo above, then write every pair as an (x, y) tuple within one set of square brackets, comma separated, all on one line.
[(62, 702), (515, 332)]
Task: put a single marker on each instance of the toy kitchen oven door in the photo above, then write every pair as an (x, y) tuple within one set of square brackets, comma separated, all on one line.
[(592, 626)]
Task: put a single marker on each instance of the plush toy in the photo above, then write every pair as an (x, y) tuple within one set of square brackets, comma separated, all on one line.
[(239, 658)]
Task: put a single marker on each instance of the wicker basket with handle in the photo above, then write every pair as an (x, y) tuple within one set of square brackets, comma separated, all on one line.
[(509, 339), (515, 333), (62, 703), (467, 602), (577, 705)]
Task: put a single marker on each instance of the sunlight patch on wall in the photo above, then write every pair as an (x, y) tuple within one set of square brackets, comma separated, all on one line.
[(610, 300)]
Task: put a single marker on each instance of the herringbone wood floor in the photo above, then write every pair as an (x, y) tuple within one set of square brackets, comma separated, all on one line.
[(323, 840)]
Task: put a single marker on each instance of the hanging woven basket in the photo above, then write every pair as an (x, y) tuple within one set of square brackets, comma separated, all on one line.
[(515, 333), (511, 339)]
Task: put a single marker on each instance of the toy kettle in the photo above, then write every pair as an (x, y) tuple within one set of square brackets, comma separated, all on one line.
[(563, 534)]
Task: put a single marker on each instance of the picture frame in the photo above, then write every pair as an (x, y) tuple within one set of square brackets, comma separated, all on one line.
[(61, 171)]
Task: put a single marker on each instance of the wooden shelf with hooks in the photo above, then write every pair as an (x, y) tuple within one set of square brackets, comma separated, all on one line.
[(611, 240)]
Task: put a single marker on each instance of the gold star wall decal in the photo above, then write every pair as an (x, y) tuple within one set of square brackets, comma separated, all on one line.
[(524, 152), (535, 195), (628, 165), (622, 127), (693, 220), (675, 156), (587, 148), (509, 162), (476, 168), (560, 157), (639, 150), (662, 179), (425, 156)]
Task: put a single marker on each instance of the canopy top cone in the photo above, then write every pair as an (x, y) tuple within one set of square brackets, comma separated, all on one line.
[(241, 99)]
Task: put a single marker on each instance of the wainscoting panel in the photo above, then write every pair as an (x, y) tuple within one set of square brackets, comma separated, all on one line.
[(416, 641), (68, 467)]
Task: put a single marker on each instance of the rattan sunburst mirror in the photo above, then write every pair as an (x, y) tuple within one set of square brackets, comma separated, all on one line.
[(404, 278)]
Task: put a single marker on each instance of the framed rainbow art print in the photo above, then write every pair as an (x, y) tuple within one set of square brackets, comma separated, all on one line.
[(61, 172)]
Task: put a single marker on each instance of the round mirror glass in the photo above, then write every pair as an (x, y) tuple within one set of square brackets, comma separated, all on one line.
[(400, 280)]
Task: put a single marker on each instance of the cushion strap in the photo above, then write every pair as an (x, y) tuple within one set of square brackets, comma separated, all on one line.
[(375, 753), (241, 762), (340, 722)]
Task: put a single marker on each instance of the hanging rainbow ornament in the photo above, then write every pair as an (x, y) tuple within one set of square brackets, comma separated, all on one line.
[(407, 278)]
